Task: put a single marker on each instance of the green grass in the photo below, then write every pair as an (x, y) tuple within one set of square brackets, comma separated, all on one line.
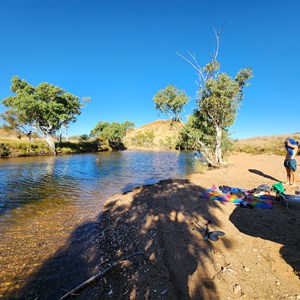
[(14, 148), (255, 145), (22, 148)]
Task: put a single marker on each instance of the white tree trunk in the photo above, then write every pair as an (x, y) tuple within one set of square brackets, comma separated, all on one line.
[(48, 138), (50, 142), (206, 153), (218, 150)]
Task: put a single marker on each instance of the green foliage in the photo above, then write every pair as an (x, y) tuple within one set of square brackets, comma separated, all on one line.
[(4, 150), (170, 100), (197, 128), (112, 132), (143, 139), (14, 123), (84, 138), (199, 167), (221, 96), (168, 143), (45, 108), (80, 147), (23, 148), (211, 67), (32, 148), (218, 99)]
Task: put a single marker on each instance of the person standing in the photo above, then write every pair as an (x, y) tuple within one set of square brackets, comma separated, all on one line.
[(290, 162)]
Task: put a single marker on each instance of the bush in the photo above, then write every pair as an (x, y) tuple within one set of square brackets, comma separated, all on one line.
[(143, 139), (4, 150), (80, 147), (168, 143), (200, 168)]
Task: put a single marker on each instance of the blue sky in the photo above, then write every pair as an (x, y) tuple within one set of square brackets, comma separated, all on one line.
[(120, 53)]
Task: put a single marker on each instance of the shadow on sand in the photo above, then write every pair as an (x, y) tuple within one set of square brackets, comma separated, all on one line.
[(260, 173), (172, 251), (278, 225)]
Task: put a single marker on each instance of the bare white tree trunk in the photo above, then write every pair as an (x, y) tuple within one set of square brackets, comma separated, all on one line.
[(66, 132), (48, 138), (218, 150), (50, 142)]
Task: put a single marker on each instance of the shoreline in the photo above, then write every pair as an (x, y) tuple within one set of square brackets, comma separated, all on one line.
[(257, 258)]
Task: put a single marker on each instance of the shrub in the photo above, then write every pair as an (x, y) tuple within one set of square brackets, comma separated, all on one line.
[(4, 150), (199, 167), (143, 139)]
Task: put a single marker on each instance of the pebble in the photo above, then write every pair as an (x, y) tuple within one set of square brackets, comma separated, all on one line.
[(236, 289), (246, 269)]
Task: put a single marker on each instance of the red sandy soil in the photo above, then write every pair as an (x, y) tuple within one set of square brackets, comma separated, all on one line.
[(257, 258)]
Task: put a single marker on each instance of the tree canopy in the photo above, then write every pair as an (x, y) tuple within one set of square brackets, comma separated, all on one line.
[(45, 108), (218, 98), (170, 100), (112, 132)]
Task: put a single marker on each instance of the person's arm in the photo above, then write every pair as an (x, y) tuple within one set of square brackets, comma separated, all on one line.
[(291, 145)]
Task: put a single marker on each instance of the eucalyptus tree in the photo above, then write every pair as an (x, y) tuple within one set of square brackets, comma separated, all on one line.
[(45, 108), (14, 123), (171, 101), (218, 98), (112, 132)]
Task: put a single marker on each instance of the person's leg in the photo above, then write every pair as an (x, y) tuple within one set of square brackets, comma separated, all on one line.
[(292, 178), (293, 168), (288, 176)]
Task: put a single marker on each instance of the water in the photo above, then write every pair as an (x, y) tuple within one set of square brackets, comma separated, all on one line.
[(80, 180), (43, 199)]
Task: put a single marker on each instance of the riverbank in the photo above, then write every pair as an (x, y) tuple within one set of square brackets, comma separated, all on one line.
[(258, 258)]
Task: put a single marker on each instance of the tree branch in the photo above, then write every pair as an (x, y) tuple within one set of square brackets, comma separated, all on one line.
[(194, 64), (92, 279)]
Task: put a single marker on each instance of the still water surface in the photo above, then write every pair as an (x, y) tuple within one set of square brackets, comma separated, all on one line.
[(82, 181), (44, 199)]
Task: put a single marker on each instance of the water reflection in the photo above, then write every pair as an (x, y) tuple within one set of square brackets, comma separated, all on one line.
[(42, 200), (81, 179)]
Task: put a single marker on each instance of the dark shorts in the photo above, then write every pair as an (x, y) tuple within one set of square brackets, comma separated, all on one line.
[(290, 164)]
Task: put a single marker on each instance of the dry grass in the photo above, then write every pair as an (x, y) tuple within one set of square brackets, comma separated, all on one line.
[(161, 134), (273, 144)]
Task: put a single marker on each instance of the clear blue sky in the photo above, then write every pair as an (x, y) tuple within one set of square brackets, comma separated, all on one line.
[(120, 53)]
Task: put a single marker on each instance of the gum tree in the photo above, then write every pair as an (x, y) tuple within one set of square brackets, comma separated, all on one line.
[(112, 132), (45, 108), (218, 98)]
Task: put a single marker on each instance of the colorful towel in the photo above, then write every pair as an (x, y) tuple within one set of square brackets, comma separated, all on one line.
[(241, 196)]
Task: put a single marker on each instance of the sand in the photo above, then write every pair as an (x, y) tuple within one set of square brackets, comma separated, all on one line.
[(257, 258)]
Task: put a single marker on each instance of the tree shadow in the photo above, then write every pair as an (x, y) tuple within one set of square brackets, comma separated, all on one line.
[(155, 219), (260, 173), (279, 225)]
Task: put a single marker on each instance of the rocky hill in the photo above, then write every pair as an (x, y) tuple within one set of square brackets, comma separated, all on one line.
[(161, 134)]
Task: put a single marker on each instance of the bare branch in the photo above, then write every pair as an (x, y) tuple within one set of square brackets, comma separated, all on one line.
[(190, 62), (193, 56), (217, 35), (194, 64)]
